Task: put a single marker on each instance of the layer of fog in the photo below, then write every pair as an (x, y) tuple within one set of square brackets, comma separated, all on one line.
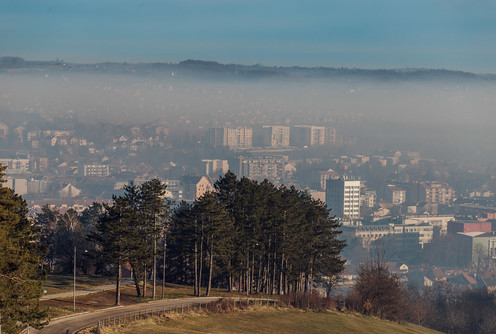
[(448, 120)]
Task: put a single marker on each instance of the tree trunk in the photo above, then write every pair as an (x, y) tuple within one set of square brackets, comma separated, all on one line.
[(273, 283), (196, 269), (259, 275), (252, 272), (144, 282), (136, 281), (286, 270), (118, 285), (200, 269), (154, 270), (163, 269), (210, 270), (247, 278), (310, 281), (281, 276)]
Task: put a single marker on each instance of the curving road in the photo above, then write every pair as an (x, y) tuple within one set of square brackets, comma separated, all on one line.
[(72, 324)]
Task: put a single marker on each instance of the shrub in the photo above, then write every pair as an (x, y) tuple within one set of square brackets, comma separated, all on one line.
[(312, 301)]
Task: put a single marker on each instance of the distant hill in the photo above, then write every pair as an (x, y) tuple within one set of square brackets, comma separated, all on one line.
[(213, 69)]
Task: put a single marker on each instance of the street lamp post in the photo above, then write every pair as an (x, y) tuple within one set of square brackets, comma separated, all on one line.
[(74, 290)]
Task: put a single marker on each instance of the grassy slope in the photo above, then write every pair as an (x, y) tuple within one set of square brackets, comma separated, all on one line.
[(64, 283), (270, 321), (63, 306)]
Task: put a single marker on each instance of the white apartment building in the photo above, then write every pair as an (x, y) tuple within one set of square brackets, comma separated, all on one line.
[(233, 137), (276, 135), (310, 135), (343, 197), (260, 168), (95, 170)]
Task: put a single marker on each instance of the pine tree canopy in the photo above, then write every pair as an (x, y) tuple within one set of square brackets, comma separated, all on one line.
[(21, 272)]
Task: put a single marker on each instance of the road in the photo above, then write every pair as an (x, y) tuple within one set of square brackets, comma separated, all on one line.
[(71, 324)]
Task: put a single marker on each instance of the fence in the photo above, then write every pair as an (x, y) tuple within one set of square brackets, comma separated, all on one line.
[(122, 319)]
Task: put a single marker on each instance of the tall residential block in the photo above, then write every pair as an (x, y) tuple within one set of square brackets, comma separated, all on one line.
[(232, 137), (276, 135), (310, 135), (343, 197)]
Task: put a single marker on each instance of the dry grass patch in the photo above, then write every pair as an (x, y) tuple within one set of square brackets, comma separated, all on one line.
[(266, 320), (64, 283)]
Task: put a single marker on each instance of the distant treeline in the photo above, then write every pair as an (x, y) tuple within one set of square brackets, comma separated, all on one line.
[(216, 69)]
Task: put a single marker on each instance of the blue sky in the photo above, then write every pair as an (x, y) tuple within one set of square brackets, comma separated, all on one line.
[(452, 34)]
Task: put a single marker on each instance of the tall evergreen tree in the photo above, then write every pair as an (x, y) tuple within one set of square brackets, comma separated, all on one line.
[(115, 238), (154, 209), (21, 272), (47, 221)]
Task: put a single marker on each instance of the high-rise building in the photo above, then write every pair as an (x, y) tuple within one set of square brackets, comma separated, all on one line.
[(215, 166), (343, 197), (233, 137), (276, 136), (310, 135)]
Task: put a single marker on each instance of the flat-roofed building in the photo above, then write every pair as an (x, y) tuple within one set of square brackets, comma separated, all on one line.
[(436, 192), (17, 165), (232, 136), (465, 226), (264, 167), (343, 197), (275, 135), (394, 194), (99, 170)]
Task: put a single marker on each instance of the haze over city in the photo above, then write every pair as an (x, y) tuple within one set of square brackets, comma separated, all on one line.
[(320, 155)]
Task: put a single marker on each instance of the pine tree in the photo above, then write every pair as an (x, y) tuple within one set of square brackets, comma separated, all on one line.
[(215, 229), (115, 237), (154, 209), (47, 221), (21, 272)]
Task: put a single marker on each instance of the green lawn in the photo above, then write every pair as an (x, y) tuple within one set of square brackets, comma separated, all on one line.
[(269, 320)]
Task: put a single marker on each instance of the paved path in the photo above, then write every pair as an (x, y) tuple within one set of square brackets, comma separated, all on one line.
[(86, 291), (71, 324)]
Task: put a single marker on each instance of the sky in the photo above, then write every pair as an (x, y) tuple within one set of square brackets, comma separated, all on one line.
[(449, 34)]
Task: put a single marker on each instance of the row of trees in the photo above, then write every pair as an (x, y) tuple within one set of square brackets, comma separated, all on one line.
[(245, 235), (254, 237)]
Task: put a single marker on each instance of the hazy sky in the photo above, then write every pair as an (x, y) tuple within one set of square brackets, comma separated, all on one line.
[(452, 34)]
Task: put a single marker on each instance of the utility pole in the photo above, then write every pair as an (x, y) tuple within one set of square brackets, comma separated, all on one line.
[(163, 270), (74, 290), (154, 258)]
